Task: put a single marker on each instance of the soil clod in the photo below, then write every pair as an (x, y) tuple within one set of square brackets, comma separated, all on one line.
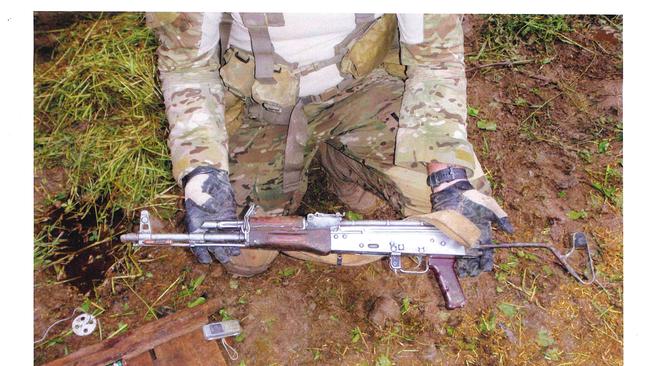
[(384, 309)]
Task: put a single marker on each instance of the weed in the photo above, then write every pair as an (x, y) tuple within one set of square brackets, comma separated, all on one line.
[(619, 131), (520, 102), (603, 146), (383, 360), (509, 265), (503, 35), (269, 322), (508, 309), (607, 183), (98, 115), (585, 155), (224, 314), (544, 338), (310, 266), (552, 354), (406, 305), (487, 325), (121, 328), (547, 270), (449, 330), (577, 215), (287, 272), (486, 125), (189, 290), (353, 216), (196, 302), (528, 256), (606, 126), (486, 147), (316, 354), (355, 334), (44, 249)]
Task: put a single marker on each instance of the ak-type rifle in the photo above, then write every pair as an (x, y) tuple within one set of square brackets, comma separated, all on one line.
[(325, 234)]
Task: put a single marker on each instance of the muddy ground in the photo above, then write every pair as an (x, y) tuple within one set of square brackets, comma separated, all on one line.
[(555, 162)]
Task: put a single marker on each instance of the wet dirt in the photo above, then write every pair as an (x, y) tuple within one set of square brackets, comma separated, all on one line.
[(557, 140), (86, 246)]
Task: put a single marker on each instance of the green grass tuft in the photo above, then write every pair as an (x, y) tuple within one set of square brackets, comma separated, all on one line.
[(504, 35), (99, 115)]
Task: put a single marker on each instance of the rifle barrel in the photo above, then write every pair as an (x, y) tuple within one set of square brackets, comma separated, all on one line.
[(183, 238)]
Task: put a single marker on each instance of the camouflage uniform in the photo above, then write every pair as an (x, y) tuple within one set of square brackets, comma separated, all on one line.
[(378, 134)]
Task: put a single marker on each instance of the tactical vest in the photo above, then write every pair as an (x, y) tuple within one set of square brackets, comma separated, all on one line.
[(269, 84)]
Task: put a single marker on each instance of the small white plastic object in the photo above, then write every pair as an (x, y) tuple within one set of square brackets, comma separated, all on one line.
[(84, 324), (226, 328)]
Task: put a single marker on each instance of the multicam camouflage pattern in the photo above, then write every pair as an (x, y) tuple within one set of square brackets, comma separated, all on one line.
[(355, 134), (377, 135), (431, 122), (433, 115), (192, 91), (280, 95)]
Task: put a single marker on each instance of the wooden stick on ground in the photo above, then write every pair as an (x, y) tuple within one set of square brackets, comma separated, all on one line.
[(142, 339)]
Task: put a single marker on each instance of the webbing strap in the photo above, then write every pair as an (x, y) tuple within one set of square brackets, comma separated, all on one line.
[(224, 35), (264, 53), (363, 22), (294, 152), (362, 18), (257, 111), (258, 28)]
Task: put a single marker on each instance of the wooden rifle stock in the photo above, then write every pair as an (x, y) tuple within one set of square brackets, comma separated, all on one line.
[(288, 233)]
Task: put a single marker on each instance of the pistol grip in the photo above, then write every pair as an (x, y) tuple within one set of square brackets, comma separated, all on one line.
[(443, 269)]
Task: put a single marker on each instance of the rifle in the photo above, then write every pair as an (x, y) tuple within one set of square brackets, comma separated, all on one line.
[(324, 234)]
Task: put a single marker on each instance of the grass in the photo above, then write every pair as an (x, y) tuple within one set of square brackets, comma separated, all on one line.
[(504, 35), (608, 184), (98, 115)]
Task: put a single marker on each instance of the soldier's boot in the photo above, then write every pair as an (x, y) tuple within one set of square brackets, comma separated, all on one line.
[(250, 262), (356, 197), (345, 260), (342, 183)]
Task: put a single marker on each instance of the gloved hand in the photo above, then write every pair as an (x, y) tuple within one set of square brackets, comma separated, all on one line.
[(482, 211), (209, 197)]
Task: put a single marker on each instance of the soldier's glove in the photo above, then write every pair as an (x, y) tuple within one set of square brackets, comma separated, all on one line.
[(209, 197), (482, 211)]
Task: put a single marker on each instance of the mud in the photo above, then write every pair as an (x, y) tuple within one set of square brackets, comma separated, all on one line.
[(558, 139), (86, 246)]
